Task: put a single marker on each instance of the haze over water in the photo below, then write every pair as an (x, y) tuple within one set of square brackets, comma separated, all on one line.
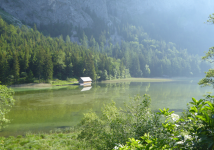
[(47, 109)]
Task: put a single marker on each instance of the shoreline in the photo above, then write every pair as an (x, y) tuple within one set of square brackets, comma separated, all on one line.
[(30, 85), (138, 80), (39, 85), (47, 85)]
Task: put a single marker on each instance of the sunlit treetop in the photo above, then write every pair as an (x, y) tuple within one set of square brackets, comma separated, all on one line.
[(211, 18), (210, 54), (209, 78)]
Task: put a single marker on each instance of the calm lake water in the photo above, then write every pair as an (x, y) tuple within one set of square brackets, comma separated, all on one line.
[(41, 110)]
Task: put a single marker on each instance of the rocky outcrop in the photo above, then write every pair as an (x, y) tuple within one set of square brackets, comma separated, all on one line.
[(50, 11), (75, 11)]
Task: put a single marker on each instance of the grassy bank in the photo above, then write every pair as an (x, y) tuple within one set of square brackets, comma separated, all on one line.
[(59, 139), (64, 82), (37, 84)]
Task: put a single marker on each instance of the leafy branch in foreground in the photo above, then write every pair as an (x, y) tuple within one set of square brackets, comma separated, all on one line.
[(144, 129), (134, 127), (6, 102), (194, 130), (116, 125), (208, 80), (211, 18)]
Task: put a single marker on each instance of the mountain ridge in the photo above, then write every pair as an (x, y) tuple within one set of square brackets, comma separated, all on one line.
[(179, 21)]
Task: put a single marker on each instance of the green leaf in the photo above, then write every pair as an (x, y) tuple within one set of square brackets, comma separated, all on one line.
[(193, 109), (176, 139), (210, 104), (201, 117), (191, 118), (194, 100)]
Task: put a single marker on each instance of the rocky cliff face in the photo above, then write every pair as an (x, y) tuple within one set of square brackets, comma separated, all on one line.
[(47, 11), (74, 11)]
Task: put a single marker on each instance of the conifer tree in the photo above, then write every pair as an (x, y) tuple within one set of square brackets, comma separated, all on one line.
[(16, 67), (48, 67), (30, 78), (40, 62), (68, 40), (26, 59), (89, 68), (84, 41), (4, 68)]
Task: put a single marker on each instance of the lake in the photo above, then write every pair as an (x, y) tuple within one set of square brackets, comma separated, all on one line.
[(42, 110)]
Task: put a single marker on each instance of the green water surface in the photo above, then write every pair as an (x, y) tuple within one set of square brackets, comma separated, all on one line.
[(42, 110)]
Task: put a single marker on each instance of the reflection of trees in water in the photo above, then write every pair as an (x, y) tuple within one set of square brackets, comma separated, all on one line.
[(174, 95), (175, 89), (106, 92), (70, 103), (6, 102), (40, 105), (147, 87), (49, 105), (164, 94), (114, 88)]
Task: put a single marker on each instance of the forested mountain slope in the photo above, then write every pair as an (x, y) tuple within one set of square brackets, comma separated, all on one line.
[(111, 39), (178, 21), (26, 53)]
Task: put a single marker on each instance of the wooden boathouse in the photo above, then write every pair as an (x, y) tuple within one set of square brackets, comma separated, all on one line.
[(85, 81)]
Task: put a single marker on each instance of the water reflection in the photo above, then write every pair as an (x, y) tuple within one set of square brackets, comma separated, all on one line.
[(42, 110), (86, 88)]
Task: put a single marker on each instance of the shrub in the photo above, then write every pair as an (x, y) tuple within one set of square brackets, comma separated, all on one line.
[(116, 125), (6, 101), (194, 130), (144, 129)]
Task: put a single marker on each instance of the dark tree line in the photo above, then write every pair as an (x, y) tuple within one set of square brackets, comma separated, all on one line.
[(26, 54)]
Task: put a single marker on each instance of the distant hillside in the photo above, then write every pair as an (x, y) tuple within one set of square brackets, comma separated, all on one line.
[(177, 21)]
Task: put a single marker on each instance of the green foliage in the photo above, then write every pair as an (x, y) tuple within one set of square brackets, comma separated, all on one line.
[(194, 130), (100, 57), (149, 130), (208, 80), (211, 18), (133, 46), (43, 58), (143, 56), (6, 102), (29, 78), (147, 70), (57, 139), (113, 128), (16, 68), (116, 125), (69, 81)]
